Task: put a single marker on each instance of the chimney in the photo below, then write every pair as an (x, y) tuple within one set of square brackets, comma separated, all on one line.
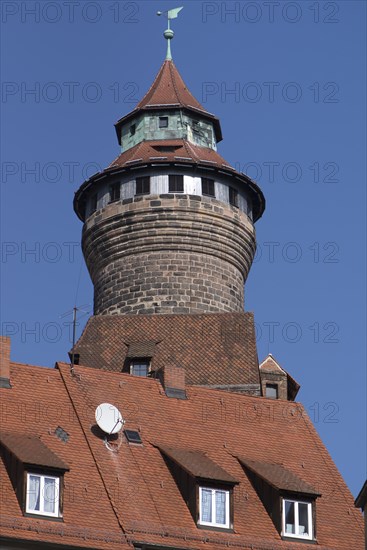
[(5, 362), (174, 381)]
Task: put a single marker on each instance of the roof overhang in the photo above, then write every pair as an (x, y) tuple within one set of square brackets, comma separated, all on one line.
[(257, 196)]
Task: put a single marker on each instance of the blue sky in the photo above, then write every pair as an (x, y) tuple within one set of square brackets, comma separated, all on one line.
[(288, 83)]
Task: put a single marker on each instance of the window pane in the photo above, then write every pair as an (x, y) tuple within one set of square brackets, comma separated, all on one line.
[(206, 505), (289, 516), (49, 495), (139, 369), (34, 493), (271, 391), (303, 518), (220, 507)]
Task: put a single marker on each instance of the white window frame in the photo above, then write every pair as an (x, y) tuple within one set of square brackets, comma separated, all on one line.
[(41, 511), (297, 534), (213, 523)]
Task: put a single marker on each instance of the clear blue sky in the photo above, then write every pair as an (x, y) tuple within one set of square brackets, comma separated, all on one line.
[(288, 83)]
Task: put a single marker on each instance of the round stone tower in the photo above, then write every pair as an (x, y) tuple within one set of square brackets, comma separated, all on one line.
[(169, 225)]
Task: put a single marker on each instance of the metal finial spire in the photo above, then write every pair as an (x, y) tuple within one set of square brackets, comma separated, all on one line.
[(168, 33)]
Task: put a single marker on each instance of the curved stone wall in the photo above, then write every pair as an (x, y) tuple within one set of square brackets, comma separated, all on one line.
[(168, 254)]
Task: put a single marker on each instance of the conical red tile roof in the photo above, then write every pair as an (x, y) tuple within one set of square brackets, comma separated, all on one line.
[(168, 88)]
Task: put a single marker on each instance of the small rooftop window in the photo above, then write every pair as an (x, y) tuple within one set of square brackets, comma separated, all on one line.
[(139, 368), (271, 391), (61, 434), (163, 122), (133, 436), (132, 129)]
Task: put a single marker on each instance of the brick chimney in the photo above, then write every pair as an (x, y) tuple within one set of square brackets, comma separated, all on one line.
[(5, 362), (174, 381)]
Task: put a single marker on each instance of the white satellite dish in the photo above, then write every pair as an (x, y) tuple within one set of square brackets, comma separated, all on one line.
[(109, 418)]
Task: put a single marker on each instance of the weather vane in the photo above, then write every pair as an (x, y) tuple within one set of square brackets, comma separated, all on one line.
[(168, 33)]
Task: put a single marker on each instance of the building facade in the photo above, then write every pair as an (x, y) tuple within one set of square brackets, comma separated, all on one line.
[(208, 448)]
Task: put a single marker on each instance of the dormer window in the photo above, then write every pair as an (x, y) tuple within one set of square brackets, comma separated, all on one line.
[(36, 473), (206, 488), (132, 129), (43, 495), (297, 519), (163, 122), (214, 507), (289, 500)]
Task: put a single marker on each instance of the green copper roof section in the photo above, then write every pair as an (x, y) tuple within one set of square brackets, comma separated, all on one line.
[(168, 33)]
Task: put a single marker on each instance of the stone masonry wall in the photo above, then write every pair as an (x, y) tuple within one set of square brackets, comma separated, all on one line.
[(168, 254)]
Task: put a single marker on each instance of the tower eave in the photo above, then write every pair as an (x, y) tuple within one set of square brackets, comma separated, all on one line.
[(254, 190)]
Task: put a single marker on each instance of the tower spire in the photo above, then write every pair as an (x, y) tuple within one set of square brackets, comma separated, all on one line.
[(168, 33)]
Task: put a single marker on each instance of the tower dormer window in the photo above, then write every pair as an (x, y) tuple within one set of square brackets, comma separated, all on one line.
[(233, 196), (132, 129), (207, 187), (163, 122), (115, 192), (142, 186), (94, 203), (175, 184)]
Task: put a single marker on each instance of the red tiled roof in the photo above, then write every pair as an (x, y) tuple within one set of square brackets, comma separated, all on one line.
[(168, 88), (183, 152), (197, 464), (126, 494), (31, 450), (279, 477), (213, 348)]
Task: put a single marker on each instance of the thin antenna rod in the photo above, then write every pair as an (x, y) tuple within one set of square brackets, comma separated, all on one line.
[(75, 309), (74, 312)]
